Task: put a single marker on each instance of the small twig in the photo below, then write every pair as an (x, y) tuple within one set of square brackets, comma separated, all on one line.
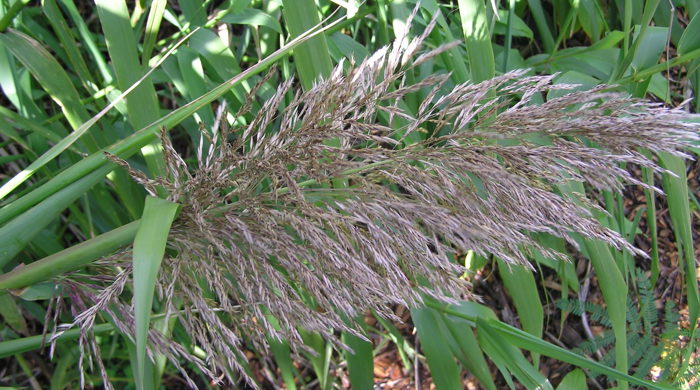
[(416, 367), (582, 296)]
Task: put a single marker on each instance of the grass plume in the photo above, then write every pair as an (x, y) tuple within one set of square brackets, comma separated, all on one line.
[(263, 233)]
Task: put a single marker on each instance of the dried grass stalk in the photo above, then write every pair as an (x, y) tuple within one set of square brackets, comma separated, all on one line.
[(264, 233)]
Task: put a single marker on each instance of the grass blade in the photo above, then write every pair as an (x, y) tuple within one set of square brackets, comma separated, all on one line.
[(481, 316), (443, 367), (477, 39), (25, 344), (312, 58), (510, 359), (55, 17), (522, 289), (612, 285), (50, 74), (86, 37), (11, 13), (142, 103), (66, 142), (360, 362), (149, 248), (69, 259), (15, 235), (542, 25), (574, 380), (676, 189), (471, 355), (155, 16)]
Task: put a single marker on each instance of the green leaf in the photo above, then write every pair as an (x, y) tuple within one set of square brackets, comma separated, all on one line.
[(676, 188), (149, 248), (522, 289), (49, 73), (542, 25), (12, 314), (155, 16), (25, 344), (689, 40), (312, 58), (58, 22), (477, 39), (432, 333), (575, 380), (480, 316), (360, 361), (253, 17), (520, 28), (507, 357), (612, 284), (16, 234), (69, 259), (281, 352), (141, 103), (469, 351), (96, 165)]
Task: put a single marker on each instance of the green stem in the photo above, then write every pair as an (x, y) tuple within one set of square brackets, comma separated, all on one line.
[(25, 344), (69, 259), (11, 13)]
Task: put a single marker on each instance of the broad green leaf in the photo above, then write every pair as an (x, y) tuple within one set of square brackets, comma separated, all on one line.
[(131, 145), (520, 283), (49, 73), (10, 14), (343, 45), (360, 361), (57, 84), (66, 142), (155, 16), (39, 292), (12, 314), (477, 39), (312, 58), (676, 188), (574, 380), (433, 342), (525, 340), (58, 22), (520, 28), (509, 358), (149, 248), (469, 351), (454, 57), (584, 82), (591, 18), (87, 39), (481, 316), (320, 359), (612, 284), (253, 17), (281, 352), (543, 28), (142, 103), (689, 40)]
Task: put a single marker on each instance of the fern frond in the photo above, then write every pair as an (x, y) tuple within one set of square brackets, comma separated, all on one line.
[(647, 306), (597, 313)]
